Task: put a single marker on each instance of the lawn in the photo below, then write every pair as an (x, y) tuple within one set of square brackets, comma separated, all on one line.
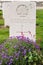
[(4, 32), (39, 28), (1, 22)]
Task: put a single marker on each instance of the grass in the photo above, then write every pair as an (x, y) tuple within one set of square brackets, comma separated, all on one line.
[(1, 22), (1, 19), (4, 33), (39, 21), (39, 27), (0, 12)]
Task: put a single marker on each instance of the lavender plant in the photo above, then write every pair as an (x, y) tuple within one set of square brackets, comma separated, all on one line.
[(20, 51)]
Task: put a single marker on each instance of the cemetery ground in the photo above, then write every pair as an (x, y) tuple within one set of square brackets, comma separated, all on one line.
[(25, 53)]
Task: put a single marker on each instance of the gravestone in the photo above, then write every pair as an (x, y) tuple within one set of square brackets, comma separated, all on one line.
[(20, 16)]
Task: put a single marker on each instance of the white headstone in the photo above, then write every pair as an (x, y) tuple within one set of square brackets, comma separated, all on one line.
[(21, 18)]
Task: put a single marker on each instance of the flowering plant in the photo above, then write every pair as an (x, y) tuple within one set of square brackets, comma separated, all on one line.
[(20, 51)]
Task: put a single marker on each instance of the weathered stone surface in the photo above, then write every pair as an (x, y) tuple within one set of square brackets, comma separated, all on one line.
[(21, 18)]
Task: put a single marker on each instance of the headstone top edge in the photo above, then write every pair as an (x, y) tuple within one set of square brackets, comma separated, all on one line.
[(15, 0)]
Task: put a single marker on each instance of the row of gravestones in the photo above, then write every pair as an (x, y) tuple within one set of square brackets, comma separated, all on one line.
[(20, 16)]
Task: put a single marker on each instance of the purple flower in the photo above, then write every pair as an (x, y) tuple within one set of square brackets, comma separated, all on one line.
[(10, 60), (19, 37), (21, 48), (37, 46), (29, 50), (0, 62), (12, 37), (24, 52), (4, 55), (1, 46), (15, 46), (17, 54), (9, 63), (10, 57), (34, 42)]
